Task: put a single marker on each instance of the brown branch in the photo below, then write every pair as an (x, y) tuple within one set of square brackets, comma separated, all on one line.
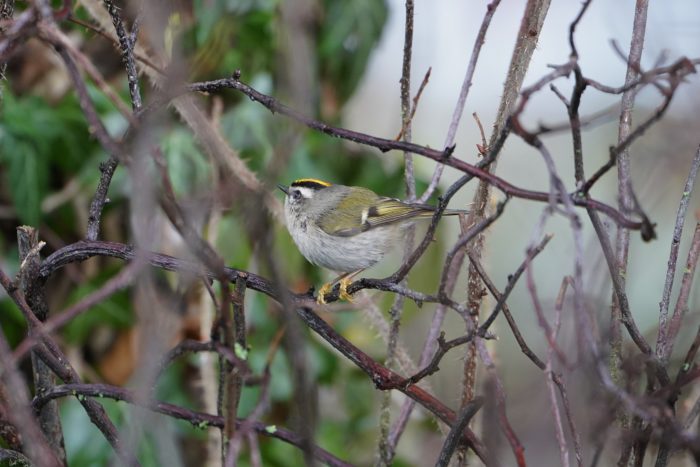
[(99, 199), (197, 419), (512, 280), (141, 58), (127, 49), (453, 437), (682, 303), (409, 262), (620, 295), (551, 376), (442, 348), (15, 395), (98, 129), (54, 358), (574, 25), (385, 448), (191, 346), (416, 100), (687, 364), (683, 68), (233, 338), (381, 376), (384, 379), (35, 294), (462, 242), (444, 157), (95, 124), (463, 93), (60, 319), (663, 352), (618, 263), (524, 347), (494, 386)]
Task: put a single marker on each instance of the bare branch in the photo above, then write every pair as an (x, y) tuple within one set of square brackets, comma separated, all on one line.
[(662, 341), (465, 415), (197, 419), (463, 93)]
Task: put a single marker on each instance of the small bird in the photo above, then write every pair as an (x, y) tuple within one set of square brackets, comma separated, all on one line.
[(346, 229)]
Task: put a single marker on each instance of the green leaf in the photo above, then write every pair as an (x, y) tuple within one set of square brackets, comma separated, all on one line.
[(27, 177), (272, 429), (240, 351), (348, 35), (115, 312), (189, 169)]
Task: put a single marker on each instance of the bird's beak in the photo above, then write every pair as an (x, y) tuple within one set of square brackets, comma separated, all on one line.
[(285, 189)]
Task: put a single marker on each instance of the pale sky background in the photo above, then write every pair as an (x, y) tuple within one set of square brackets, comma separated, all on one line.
[(443, 38)]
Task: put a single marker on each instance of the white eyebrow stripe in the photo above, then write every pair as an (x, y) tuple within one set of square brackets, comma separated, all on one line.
[(305, 191)]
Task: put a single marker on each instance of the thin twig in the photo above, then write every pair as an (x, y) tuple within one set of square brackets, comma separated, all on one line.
[(384, 379), (234, 338), (625, 205), (14, 388), (54, 358), (681, 307), (54, 35), (34, 292), (500, 396), (561, 440), (512, 280), (453, 437), (127, 44), (60, 319), (385, 450), (444, 157), (416, 100), (463, 240), (442, 348), (197, 419), (662, 351), (463, 93)]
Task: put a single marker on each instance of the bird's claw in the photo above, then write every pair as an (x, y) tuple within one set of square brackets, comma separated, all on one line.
[(344, 284), (322, 292), (328, 288)]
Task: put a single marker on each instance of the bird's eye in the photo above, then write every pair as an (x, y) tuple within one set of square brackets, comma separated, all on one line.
[(296, 194)]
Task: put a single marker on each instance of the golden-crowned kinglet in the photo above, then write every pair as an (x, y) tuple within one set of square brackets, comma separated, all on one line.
[(345, 228)]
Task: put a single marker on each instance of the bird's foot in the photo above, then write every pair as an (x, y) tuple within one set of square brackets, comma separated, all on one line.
[(344, 284), (322, 292)]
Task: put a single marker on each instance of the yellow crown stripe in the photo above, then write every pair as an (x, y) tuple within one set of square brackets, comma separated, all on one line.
[(311, 181)]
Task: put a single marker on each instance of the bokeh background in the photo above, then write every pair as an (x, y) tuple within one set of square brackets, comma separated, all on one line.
[(339, 61)]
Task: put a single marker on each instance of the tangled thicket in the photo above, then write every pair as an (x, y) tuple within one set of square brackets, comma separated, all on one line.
[(193, 157)]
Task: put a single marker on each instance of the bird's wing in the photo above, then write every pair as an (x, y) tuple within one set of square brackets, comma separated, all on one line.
[(346, 221)]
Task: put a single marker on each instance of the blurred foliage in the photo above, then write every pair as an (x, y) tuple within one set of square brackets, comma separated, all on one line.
[(45, 144), (40, 146), (346, 38)]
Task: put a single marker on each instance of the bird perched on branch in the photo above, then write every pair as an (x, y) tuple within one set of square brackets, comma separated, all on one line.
[(346, 229)]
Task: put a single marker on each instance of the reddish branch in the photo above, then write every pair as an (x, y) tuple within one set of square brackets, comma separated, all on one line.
[(443, 157), (49, 352), (664, 343), (197, 419), (382, 377)]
